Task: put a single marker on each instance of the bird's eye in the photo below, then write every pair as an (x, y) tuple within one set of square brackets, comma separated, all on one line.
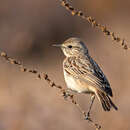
[(69, 46)]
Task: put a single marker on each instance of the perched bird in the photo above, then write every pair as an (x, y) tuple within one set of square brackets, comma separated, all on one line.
[(83, 75)]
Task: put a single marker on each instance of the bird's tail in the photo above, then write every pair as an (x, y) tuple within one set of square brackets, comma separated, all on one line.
[(105, 101)]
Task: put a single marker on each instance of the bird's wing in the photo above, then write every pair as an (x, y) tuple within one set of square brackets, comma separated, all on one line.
[(87, 70)]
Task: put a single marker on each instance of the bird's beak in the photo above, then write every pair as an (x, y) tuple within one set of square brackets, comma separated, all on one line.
[(57, 45)]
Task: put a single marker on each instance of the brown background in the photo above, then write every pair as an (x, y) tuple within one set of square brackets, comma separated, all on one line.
[(28, 28)]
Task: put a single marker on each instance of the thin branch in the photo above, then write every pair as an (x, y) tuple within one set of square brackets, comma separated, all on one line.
[(94, 23), (44, 76)]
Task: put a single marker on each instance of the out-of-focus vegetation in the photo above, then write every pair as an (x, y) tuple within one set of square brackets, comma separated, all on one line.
[(28, 28)]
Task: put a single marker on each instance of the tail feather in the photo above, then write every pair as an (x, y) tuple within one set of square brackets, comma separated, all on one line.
[(105, 104), (113, 105), (105, 101)]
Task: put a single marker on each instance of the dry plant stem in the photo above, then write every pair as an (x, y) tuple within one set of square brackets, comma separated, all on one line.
[(51, 84), (94, 23)]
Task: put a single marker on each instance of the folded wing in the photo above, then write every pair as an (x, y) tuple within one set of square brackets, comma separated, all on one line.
[(88, 70)]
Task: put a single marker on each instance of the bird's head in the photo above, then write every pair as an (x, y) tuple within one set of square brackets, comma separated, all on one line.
[(73, 47)]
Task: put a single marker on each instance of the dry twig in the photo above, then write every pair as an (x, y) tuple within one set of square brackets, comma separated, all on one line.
[(44, 76), (94, 23)]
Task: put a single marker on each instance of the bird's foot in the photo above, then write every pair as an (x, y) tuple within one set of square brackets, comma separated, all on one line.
[(66, 94), (87, 117)]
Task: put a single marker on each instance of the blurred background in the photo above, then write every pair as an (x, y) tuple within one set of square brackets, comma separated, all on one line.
[(28, 28)]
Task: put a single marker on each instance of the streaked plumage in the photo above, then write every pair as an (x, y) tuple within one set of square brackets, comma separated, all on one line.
[(83, 75)]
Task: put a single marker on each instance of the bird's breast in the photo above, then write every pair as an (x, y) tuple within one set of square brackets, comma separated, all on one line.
[(76, 84)]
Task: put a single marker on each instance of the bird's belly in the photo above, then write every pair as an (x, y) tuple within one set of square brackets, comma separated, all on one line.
[(76, 84)]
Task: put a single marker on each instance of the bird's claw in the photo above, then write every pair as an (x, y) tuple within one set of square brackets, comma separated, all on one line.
[(66, 95), (87, 117)]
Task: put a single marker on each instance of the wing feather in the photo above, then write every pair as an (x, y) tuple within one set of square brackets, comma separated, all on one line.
[(87, 70)]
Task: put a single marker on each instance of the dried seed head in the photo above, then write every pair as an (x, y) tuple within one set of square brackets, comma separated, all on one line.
[(3, 54)]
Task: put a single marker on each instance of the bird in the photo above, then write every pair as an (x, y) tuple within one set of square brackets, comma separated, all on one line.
[(83, 75)]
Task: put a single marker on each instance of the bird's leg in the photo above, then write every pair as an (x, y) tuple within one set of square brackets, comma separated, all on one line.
[(92, 100)]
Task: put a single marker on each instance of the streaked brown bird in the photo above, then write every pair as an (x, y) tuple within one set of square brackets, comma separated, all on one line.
[(83, 75)]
